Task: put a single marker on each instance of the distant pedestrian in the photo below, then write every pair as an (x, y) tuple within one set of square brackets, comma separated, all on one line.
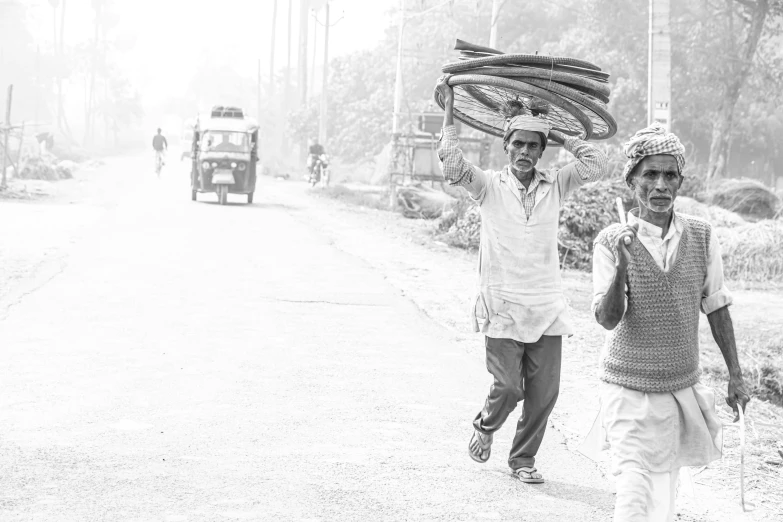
[(655, 416), (519, 306)]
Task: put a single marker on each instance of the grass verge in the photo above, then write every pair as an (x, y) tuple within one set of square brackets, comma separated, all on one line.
[(370, 198)]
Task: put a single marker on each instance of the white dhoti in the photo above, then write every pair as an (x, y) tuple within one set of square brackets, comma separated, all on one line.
[(650, 436)]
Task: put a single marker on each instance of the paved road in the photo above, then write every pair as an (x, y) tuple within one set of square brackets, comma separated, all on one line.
[(193, 362)]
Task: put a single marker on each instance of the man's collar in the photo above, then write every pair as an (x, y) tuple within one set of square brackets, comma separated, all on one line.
[(648, 229), (541, 175)]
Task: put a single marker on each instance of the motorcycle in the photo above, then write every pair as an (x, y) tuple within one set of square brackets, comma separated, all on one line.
[(320, 171)]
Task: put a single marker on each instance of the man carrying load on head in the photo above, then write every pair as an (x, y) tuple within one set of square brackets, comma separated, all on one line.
[(651, 277), (519, 306)]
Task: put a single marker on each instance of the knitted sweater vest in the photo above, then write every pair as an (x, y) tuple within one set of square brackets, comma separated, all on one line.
[(655, 346)]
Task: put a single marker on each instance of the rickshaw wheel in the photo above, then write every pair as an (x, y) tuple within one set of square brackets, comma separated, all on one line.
[(222, 194), (250, 198), (193, 195)]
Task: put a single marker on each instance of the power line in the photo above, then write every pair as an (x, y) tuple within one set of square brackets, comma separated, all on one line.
[(315, 17)]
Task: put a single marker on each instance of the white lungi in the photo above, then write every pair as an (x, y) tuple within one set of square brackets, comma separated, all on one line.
[(650, 436)]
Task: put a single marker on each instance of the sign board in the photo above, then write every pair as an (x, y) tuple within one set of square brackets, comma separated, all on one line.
[(659, 90)]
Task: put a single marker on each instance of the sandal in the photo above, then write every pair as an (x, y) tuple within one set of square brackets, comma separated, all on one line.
[(478, 446), (529, 475)]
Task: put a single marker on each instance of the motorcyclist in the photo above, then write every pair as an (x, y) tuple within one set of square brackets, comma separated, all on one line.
[(160, 145), (315, 151)]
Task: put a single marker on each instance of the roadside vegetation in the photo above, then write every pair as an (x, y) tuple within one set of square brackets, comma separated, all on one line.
[(752, 247), (759, 342)]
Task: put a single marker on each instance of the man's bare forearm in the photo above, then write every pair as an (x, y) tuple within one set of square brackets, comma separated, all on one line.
[(448, 114), (612, 307), (723, 333)]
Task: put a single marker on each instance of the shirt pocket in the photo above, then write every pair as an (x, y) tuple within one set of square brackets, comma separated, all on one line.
[(480, 308)]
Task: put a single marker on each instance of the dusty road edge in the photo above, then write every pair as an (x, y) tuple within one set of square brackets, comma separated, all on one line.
[(696, 503)]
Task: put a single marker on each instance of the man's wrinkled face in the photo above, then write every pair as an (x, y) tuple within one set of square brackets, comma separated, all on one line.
[(655, 182), (524, 149)]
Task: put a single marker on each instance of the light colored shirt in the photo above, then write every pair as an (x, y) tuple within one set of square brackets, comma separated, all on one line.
[(519, 293), (715, 295)]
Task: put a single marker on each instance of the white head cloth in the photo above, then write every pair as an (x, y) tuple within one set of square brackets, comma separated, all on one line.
[(528, 123), (653, 140)]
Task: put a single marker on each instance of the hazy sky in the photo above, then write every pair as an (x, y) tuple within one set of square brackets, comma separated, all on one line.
[(170, 36)]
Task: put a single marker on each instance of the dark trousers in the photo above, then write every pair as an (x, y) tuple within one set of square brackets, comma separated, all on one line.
[(522, 371)]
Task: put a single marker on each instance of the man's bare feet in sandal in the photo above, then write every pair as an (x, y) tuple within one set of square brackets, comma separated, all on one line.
[(529, 475), (480, 447)]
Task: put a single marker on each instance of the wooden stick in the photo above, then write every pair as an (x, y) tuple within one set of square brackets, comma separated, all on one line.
[(621, 212), (742, 454)]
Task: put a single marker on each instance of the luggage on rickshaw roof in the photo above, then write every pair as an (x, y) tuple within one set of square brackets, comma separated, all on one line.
[(220, 111)]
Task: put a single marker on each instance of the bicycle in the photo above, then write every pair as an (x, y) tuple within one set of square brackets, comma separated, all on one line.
[(159, 162)]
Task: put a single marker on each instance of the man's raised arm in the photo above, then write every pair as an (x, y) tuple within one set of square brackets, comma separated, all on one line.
[(456, 169), (589, 166)]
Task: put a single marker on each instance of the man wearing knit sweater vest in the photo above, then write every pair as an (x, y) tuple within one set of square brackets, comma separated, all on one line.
[(651, 277), (519, 304)]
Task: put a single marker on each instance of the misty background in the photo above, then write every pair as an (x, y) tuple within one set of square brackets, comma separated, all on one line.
[(103, 74)]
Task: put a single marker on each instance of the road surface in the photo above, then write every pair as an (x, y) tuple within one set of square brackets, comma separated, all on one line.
[(185, 361)]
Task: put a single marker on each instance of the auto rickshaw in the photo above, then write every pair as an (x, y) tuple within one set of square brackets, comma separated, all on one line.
[(225, 153)]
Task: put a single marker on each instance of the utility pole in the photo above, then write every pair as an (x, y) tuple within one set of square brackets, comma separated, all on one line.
[(272, 53), (55, 47), (398, 80), (302, 65), (88, 119), (659, 65), (60, 52), (7, 130), (288, 50), (322, 120), (62, 27), (315, 49), (37, 79), (493, 31), (258, 92), (54, 4)]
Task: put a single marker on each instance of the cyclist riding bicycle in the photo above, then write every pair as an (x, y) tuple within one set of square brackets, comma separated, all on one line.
[(160, 145)]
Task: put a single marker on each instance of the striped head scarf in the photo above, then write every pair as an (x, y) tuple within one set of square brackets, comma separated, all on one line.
[(528, 123), (655, 139)]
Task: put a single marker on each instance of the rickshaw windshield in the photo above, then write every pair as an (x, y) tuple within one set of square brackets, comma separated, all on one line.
[(225, 141)]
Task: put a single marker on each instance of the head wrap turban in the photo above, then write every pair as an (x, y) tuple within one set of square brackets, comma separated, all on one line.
[(650, 141), (528, 123)]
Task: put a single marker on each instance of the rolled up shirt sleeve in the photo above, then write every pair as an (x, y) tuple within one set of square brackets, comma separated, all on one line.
[(456, 169), (603, 275), (715, 295), (589, 166)]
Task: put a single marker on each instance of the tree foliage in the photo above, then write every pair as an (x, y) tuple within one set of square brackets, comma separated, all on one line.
[(611, 33), (35, 69)]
